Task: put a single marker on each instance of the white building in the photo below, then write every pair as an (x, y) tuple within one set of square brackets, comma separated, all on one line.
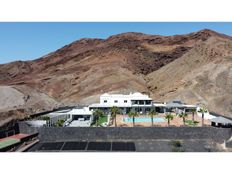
[(80, 117), (178, 107), (76, 117), (140, 102)]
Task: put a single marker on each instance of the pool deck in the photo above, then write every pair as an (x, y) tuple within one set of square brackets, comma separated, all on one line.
[(175, 122)]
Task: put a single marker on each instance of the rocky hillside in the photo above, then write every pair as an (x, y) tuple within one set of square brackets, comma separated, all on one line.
[(195, 67)]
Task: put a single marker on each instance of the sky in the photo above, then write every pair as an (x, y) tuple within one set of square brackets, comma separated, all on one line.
[(28, 40)]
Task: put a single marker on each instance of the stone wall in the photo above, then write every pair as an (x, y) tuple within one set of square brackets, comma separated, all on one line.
[(229, 143), (134, 133), (9, 129), (26, 129)]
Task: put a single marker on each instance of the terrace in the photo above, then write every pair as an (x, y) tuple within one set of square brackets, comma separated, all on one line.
[(159, 120)]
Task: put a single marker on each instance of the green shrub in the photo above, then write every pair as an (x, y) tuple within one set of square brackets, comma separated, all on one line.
[(176, 144), (45, 118), (192, 123), (100, 120), (60, 123)]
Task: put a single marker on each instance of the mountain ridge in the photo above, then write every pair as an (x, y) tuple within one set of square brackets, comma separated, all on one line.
[(79, 72)]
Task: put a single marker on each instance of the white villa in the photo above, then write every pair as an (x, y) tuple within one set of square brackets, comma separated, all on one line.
[(139, 102)]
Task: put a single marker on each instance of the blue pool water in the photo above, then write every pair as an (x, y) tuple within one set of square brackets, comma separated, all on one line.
[(143, 119)]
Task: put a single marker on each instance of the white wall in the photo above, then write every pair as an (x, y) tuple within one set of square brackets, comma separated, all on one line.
[(110, 98), (207, 115), (36, 123)]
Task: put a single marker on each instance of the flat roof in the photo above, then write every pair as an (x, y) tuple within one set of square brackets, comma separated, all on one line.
[(221, 120), (134, 96), (159, 104), (178, 105), (82, 111), (174, 105), (190, 106), (76, 123), (98, 105), (76, 111)]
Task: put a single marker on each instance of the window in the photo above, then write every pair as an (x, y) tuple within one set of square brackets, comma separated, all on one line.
[(177, 101), (115, 101), (148, 102), (125, 101), (105, 101)]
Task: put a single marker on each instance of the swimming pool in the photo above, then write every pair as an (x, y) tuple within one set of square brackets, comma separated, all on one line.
[(143, 119)]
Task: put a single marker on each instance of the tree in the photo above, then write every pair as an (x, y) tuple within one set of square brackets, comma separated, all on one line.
[(97, 114), (202, 111), (114, 111), (193, 112), (183, 116), (152, 113), (46, 118), (60, 123), (169, 117), (133, 114)]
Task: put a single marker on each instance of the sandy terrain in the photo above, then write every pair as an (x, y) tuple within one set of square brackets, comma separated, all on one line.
[(10, 98)]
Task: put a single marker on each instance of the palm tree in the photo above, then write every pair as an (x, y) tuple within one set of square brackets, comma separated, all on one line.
[(169, 117), (97, 114), (202, 111), (114, 111), (133, 114), (193, 111), (151, 114), (183, 116)]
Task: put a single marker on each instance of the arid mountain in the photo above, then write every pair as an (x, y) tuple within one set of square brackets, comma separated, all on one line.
[(195, 67)]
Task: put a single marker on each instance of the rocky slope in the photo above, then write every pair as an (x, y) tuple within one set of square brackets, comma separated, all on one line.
[(203, 75), (195, 67)]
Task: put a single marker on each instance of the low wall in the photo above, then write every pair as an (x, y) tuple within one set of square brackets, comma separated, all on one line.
[(229, 143), (26, 129), (9, 129), (132, 133)]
